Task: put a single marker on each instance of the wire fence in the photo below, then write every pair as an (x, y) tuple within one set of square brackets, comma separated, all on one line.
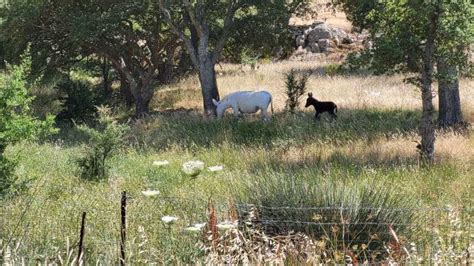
[(110, 235)]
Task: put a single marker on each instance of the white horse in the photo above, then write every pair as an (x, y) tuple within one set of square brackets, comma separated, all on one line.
[(245, 102)]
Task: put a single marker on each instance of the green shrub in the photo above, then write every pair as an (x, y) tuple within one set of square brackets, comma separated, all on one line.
[(7, 176), (16, 120), (295, 88), (332, 69), (104, 140), (356, 62), (342, 213), (47, 100), (80, 101)]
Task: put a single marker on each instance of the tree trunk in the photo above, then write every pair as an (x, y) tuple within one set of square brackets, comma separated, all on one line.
[(142, 105), (450, 113), (143, 93), (126, 91), (207, 78), (427, 129)]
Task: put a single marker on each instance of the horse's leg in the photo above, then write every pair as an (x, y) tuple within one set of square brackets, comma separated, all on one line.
[(334, 113), (265, 116), (236, 111)]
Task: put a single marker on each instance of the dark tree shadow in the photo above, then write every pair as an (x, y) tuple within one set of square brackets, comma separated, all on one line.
[(187, 128), (164, 131)]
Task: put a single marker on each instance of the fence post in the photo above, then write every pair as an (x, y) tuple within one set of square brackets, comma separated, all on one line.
[(123, 233), (81, 238)]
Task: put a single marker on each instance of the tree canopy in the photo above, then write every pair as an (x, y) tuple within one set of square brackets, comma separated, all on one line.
[(416, 36), (130, 34), (207, 27)]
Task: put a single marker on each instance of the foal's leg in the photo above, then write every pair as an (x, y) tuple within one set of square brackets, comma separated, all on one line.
[(316, 116), (333, 113)]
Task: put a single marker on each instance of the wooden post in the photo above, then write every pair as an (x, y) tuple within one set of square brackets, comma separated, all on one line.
[(81, 238), (123, 211)]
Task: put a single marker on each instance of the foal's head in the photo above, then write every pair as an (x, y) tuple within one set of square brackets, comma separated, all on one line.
[(310, 100)]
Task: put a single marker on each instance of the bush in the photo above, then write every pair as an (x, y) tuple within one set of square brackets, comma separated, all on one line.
[(340, 213), (47, 100), (16, 120), (356, 63), (104, 141), (7, 176), (332, 69), (80, 101), (295, 88)]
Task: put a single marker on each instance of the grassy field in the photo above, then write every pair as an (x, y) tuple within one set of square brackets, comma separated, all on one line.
[(290, 161)]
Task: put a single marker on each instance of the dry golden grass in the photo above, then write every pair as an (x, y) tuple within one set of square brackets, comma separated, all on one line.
[(348, 92)]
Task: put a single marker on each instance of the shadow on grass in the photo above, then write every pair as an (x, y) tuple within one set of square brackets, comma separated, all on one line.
[(349, 164), (189, 131)]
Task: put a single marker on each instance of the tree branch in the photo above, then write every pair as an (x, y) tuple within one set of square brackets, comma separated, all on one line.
[(192, 16), (229, 20), (187, 41)]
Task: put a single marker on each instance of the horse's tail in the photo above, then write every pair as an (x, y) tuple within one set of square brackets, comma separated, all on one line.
[(271, 104)]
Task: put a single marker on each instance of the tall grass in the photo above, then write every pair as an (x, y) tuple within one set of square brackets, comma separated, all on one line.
[(344, 212), (367, 158)]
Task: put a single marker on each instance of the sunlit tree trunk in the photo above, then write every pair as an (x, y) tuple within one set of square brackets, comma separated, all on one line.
[(427, 128)]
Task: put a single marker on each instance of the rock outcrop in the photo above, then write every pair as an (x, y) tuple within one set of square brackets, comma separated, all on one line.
[(322, 38)]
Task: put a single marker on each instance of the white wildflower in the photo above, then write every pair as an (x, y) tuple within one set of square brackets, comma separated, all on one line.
[(193, 168), (161, 163), (226, 225), (200, 226), (150, 193), (192, 229), (216, 168), (195, 228), (169, 219)]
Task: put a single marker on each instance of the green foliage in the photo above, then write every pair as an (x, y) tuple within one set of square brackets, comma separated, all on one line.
[(249, 57), (79, 104), (360, 13), (128, 35), (332, 69), (356, 211), (295, 88), (262, 27), (7, 176), (104, 140), (16, 120), (399, 30), (456, 33), (356, 62), (288, 148)]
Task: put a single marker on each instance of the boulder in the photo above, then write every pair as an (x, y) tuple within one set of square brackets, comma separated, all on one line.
[(324, 44), (322, 31), (314, 48), (339, 33), (322, 38), (300, 41), (347, 40)]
